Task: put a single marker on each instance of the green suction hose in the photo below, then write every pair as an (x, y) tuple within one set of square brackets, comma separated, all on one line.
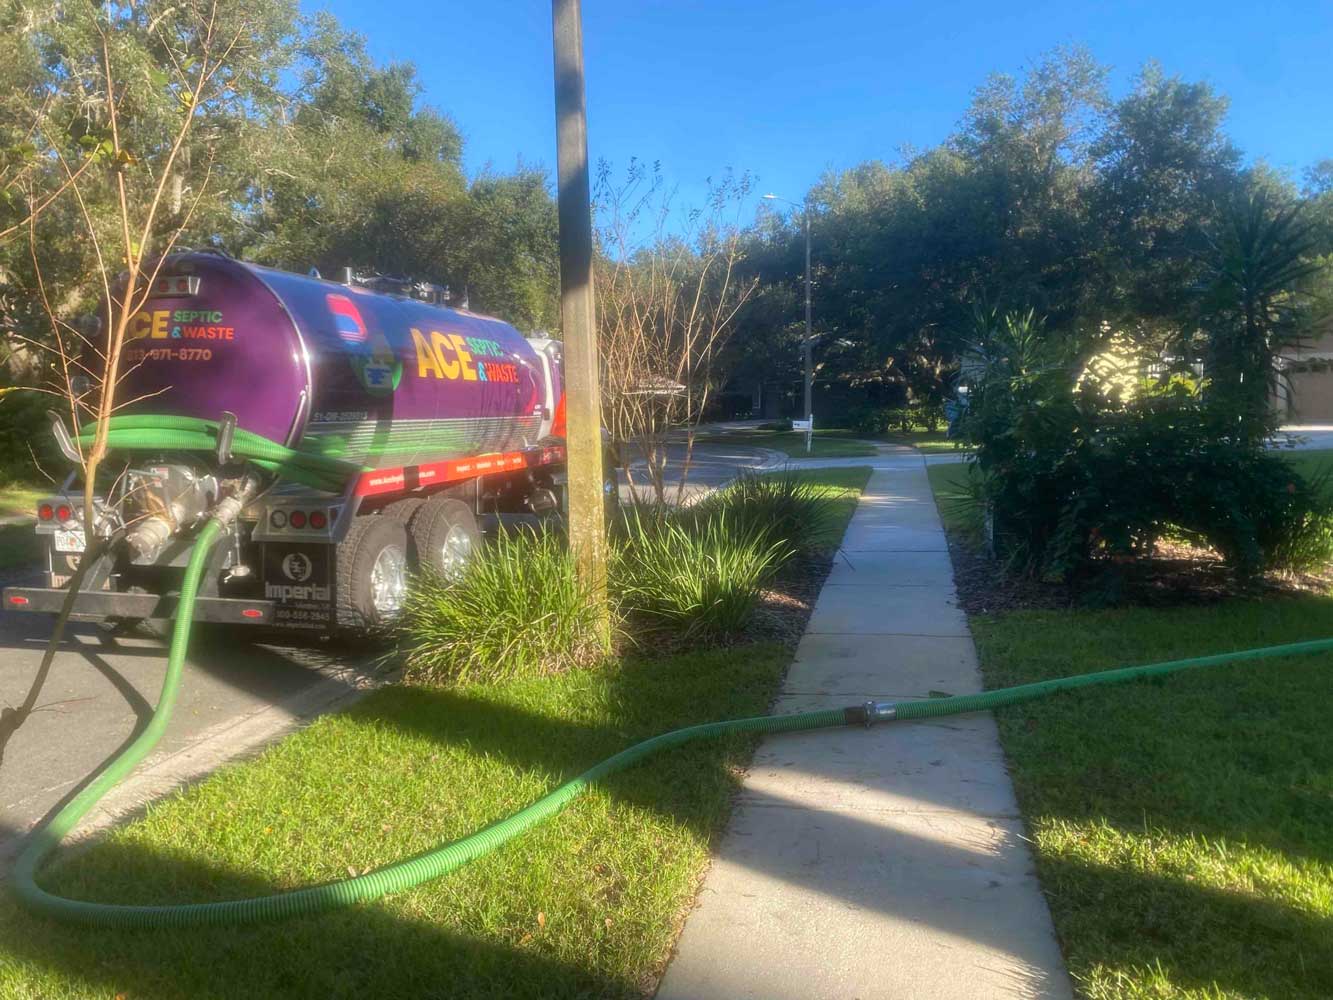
[(47, 837), (178, 434), (446, 858), (149, 432)]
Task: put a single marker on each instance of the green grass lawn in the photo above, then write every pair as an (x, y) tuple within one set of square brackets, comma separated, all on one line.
[(949, 482), (21, 498), (825, 443), (930, 442), (587, 905), (1312, 463), (1183, 828)]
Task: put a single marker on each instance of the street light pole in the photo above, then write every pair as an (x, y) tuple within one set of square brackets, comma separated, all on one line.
[(808, 364), (583, 416)]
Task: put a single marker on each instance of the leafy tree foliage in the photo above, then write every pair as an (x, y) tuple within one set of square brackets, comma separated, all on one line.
[(1050, 196), (303, 153)]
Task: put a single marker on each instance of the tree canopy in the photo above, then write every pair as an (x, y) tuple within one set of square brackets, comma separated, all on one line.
[(1096, 211)]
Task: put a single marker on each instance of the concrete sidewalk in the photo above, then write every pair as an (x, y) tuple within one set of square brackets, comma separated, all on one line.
[(880, 863)]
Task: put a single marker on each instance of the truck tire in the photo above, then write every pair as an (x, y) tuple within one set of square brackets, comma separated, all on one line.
[(370, 573), (404, 510), (445, 536)]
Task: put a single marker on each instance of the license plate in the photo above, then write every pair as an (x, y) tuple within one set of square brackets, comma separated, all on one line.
[(69, 541)]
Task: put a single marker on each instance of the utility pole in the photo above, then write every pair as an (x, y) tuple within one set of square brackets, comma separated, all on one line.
[(583, 408)]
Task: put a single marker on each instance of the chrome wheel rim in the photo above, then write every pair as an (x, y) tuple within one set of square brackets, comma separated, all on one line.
[(456, 552), (388, 581)]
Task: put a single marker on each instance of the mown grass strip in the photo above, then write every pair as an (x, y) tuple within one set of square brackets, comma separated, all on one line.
[(824, 444), (1181, 827)]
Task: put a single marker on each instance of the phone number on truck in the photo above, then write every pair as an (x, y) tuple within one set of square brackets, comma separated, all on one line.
[(170, 354)]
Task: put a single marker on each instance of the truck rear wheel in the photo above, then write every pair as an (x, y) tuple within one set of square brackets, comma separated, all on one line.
[(404, 510), (371, 573), (446, 537)]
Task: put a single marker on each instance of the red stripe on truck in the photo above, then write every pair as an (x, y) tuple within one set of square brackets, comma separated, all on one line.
[(381, 481)]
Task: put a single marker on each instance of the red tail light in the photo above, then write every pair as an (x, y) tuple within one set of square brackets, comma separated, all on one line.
[(45, 512), (18, 599), (63, 513), (252, 613), (296, 519), (318, 521)]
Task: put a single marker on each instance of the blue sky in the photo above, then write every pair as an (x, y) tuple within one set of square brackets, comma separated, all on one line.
[(786, 90)]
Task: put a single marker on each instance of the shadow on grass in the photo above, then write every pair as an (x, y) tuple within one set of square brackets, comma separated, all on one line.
[(1197, 937), (1222, 775), (644, 697), (366, 951), (413, 945)]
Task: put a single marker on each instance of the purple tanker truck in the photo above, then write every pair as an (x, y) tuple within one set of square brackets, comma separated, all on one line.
[(447, 421)]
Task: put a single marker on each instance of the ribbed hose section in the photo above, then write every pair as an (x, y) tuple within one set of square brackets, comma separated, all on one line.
[(147, 432), (183, 434), (48, 837), (392, 878), (935, 707)]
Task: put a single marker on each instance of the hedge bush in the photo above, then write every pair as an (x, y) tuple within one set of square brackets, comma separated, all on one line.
[(25, 436), (874, 421), (1080, 472)]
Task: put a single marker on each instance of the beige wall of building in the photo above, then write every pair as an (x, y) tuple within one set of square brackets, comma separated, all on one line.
[(1305, 395)]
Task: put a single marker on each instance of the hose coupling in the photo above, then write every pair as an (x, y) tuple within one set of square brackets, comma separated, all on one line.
[(884, 711), (229, 508), (870, 712)]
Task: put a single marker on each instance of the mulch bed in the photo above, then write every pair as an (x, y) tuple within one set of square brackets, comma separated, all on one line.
[(1177, 574), (784, 608)]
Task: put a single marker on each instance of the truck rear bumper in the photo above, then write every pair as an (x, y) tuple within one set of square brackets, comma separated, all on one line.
[(110, 604)]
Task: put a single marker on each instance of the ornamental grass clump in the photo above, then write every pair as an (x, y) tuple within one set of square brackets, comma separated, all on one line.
[(782, 507), (517, 611), (698, 577)]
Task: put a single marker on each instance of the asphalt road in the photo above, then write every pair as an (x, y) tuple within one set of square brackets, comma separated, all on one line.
[(237, 693), (710, 466), (101, 690)]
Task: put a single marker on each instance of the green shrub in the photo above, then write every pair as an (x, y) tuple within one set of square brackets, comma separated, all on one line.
[(1080, 471), (518, 610), (781, 507), (25, 437), (700, 576), (878, 420)]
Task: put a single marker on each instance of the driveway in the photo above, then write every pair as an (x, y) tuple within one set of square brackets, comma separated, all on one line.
[(1305, 437)]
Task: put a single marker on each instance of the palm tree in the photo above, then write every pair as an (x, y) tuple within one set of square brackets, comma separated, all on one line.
[(1256, 260)]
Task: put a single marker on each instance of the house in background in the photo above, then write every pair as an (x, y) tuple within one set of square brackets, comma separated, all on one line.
[(1304, 390)]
